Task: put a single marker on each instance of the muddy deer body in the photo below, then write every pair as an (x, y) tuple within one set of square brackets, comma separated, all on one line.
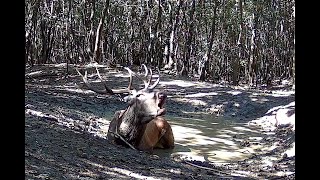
[(142, 124), (146, 136)]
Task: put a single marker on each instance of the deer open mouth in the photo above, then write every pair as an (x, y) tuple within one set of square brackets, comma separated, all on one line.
[(162, 98)]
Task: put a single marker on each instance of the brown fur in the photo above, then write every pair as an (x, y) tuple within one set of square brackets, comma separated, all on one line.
[(156, 134)]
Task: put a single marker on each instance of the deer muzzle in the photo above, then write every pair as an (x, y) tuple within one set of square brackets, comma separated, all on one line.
[(162, 98)]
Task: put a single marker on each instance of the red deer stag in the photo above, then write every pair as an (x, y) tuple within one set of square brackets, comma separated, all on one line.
[(141, 125)]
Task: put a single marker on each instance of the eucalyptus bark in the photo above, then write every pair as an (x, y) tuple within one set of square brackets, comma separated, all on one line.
[(236, 61), (97, 48), (189, 36), (172, 59), (205, 68)]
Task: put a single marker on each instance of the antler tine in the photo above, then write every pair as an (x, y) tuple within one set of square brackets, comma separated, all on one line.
[(130, 77), (104, 82), (107, 90), (128, 89), (88, 85), (145, 80), (155, 83), (145, 69), (150, 76)]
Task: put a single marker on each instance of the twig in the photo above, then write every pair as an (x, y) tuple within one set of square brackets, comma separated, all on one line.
[(40, 74), (120, 137), (211, 169), (220, 172)]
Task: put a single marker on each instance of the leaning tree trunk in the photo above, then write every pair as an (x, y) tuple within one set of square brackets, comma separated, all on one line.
[(97, 49)]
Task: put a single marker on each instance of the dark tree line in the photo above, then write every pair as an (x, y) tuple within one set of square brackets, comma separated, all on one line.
[(231, 40)]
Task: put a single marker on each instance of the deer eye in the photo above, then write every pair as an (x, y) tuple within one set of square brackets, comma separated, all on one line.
[(138, 95)]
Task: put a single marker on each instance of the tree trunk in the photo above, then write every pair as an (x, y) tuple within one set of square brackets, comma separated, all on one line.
[(97, 49), (90, 44), (236, 61), (174, 24), (204, 67), (251, 64), (187, 53)]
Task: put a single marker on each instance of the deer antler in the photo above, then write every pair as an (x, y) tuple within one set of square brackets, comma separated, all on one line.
[(107, 90), (147, 81), (129, 89), (155, 83)]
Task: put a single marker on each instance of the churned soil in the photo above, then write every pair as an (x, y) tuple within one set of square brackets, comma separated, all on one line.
[(66, 127)]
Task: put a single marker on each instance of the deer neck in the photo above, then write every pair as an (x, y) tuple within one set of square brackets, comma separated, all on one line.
[(130, 124)]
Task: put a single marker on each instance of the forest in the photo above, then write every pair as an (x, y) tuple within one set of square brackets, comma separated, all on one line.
[(192, 89), (236, 41)]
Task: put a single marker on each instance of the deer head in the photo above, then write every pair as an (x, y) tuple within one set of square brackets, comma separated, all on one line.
[(143, 105)]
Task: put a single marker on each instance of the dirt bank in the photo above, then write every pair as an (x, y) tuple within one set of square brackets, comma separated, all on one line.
[(65, 129)]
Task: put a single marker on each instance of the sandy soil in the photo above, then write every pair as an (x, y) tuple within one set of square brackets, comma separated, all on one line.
[(66, 126)]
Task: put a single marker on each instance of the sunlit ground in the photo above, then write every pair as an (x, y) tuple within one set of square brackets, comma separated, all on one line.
[(207, 137), (213, 138), (198, 134)]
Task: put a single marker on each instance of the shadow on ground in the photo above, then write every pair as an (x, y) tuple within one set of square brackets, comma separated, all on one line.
[(66, 126)]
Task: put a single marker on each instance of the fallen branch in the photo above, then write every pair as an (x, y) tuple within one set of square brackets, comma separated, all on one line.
[(41, 115), (206, 168), (40, 74), (221, 172), (120, 137)]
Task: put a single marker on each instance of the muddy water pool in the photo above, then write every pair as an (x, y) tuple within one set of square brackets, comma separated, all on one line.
[(215, 139), (210, 138)]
